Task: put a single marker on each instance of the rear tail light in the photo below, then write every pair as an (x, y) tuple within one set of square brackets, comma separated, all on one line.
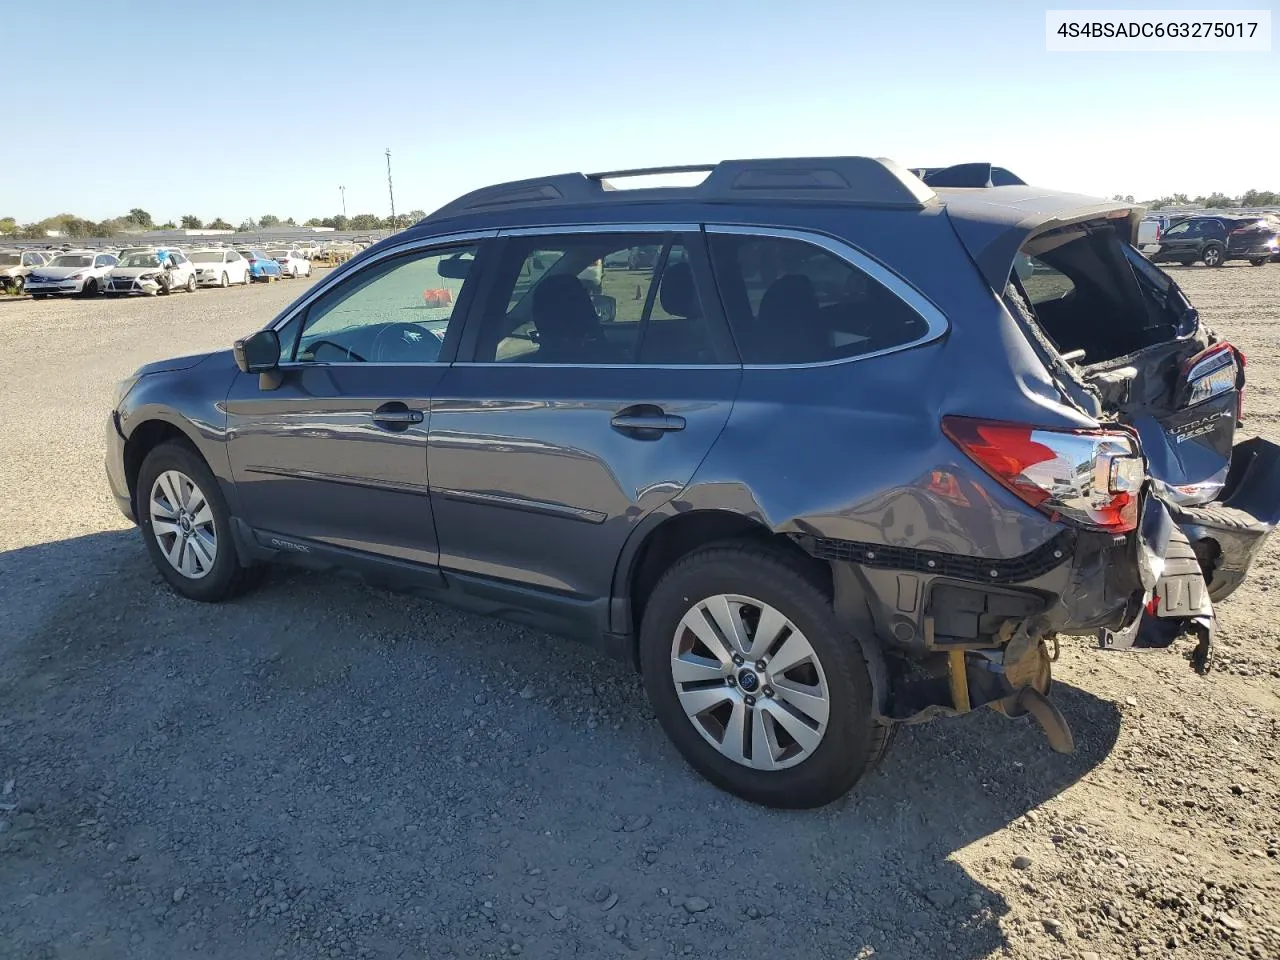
[(1088, 477), (1212, 372)]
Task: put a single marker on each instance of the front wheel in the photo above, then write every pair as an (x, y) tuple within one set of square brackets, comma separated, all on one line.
[(224, 281), (191, 284), (90, 288), (186, 524), (1213, 255), (1258, 262), (18, 285), (754, 680)]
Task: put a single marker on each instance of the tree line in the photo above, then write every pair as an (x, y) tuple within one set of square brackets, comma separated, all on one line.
[(1214, 201), (137, 220)]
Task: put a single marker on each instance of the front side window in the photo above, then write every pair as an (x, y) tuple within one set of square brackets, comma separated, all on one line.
[(789, 301), (397, 311), (607, 298)]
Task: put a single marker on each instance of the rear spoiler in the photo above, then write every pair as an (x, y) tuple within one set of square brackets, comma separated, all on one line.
[(968, 175), (993, 225)]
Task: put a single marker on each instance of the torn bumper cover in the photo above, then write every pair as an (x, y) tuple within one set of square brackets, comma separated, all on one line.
[(1206, 556)]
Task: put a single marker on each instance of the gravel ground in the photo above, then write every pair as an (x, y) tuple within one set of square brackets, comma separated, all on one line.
[(322, 769)]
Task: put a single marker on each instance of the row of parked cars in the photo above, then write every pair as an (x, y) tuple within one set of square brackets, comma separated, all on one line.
[(1211, 239), (144, 270)]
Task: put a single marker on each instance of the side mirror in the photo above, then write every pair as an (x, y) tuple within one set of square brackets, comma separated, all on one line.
[(258, 352), (606, 307)]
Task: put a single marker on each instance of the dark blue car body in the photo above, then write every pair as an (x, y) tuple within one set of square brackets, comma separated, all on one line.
[(557, 495)]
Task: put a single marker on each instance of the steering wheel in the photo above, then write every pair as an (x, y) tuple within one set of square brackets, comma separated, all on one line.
[(404, 342)]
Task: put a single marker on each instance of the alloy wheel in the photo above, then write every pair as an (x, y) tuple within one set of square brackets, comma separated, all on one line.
[(182, 523), (750, 682)]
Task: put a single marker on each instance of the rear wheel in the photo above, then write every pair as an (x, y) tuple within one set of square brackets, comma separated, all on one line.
[(1212, 255), (186, 524), (225, 281), (248, 277), (753, 679)]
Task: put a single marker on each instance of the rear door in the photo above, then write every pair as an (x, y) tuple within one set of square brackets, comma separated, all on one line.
[(335, 455), (1181, 241), (576, 413)]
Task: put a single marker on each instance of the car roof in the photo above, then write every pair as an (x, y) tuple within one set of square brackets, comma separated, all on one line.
[(993, 210)]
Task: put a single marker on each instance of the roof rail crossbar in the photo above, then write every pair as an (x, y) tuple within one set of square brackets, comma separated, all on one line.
[(968, 175), (863, 181)]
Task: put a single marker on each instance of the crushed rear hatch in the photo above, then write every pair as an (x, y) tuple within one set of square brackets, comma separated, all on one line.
[(1126, 346)]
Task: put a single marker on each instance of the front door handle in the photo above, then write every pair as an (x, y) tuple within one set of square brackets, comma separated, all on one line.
[(396, 416), (646, 421)]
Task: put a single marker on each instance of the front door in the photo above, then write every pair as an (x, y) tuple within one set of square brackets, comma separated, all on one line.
[(336, 454), (601, 373)]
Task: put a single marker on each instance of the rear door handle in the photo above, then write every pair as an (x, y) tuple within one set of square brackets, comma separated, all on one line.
[(396, 415), (646, 421), (660, 421)]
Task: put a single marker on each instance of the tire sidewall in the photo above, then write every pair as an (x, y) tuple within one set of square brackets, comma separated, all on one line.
[(217, 582), (1209, 252), (843, 755)]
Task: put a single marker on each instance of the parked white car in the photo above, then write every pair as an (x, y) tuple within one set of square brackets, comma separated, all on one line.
[(15, 265), (70, 273), (292, 263), (145, 271), (220, 267)]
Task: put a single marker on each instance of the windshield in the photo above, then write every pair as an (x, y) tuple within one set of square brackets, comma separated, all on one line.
[(72, 261), (206, 256), (140, 260), (9, 259), (279, 254)]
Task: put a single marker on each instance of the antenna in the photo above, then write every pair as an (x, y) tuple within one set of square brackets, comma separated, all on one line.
[(391, 192)]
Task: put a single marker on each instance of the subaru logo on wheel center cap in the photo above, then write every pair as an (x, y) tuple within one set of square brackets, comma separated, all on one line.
[(748, 681)]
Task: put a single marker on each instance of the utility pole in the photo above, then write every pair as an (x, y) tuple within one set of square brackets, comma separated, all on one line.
[(343, 191), (391, 192)]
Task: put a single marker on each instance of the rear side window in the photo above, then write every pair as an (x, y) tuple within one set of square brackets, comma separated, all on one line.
[(789, 301), (589, 299)]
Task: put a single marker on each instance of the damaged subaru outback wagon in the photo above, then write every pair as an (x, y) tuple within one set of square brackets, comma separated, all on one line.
[(822, 446)]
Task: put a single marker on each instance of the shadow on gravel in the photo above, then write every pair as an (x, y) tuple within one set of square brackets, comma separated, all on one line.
[(395, 776)]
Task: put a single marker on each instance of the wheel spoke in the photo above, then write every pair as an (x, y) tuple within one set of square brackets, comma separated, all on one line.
[(170, 490), (764, 748), (700, 701), (696, 621), (728, 617), (188, 561), (806, 699), (164, 528), (174, 552), (690, 668), (794, 651), (770, 627), (196, 501), (204, 548), (204, 516), (734, 743), (162, 510), (805, 736)]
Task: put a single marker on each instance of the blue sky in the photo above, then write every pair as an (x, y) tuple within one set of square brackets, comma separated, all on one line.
[(238, 109)]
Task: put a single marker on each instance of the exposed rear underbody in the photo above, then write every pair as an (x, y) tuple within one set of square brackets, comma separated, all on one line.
[(1129, 351)]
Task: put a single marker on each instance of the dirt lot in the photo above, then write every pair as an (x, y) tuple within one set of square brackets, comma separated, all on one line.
[(321, 769)]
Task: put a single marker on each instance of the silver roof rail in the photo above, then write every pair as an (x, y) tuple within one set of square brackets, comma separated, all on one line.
[(861, 181)]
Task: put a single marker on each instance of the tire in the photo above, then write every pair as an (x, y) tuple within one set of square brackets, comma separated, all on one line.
[(191, 284), (200, 578), (1258, 262), (764, 581), (225, 281), (90, 288), (18, 285), (1213, 255), (248, 277)]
